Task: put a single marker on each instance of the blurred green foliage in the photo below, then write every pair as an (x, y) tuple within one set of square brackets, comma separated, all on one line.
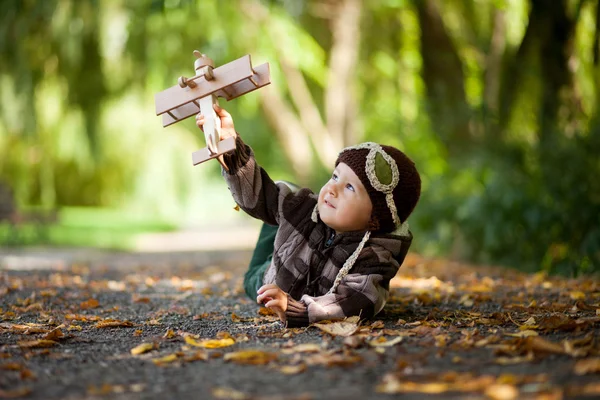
[(495, 100)]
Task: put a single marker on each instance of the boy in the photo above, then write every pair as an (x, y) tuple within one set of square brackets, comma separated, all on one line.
[(333, 254)]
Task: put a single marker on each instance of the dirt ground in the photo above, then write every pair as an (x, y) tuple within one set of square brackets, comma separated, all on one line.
[(88, 324)]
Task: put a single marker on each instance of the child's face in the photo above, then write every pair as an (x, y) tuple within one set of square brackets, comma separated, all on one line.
[(344, 204)]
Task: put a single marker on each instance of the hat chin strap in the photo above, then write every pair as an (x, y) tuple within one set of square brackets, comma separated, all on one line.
[(349, 263)]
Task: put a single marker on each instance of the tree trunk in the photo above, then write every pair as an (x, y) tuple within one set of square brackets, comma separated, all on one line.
[(444, 79)]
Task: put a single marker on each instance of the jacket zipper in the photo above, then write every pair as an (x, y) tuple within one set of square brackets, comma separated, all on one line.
[(330, 240)]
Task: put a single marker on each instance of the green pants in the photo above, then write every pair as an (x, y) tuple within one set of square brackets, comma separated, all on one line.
[(261, 259)]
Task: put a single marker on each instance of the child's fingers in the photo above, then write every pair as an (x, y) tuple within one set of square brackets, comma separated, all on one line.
[(220, 111), (261, 300), (268, 286), (274, 304), (269, 293)]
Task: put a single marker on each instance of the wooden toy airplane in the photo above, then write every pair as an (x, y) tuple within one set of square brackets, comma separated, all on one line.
[(198, 94)]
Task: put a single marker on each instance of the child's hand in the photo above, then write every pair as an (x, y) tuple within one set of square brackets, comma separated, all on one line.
[(227, 128), (274, 298)]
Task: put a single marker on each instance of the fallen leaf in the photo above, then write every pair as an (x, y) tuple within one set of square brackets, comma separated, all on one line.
[(539, 344), (88, 304), (229, 394), (35, 344), (54, 334), (166, 359), (254, 357), (12, 394), (264, 311), (346, 327), (385, 343), (25, 329), (303, 348), (199, 355), (113, 323), (142, 348), (211, 343), (587, 366), (577, 295), (12, 366), (523, 334), (292, 369), (169, 334), (502, 392)]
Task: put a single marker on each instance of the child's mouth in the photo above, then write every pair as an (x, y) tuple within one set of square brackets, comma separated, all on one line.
[(329, 204)]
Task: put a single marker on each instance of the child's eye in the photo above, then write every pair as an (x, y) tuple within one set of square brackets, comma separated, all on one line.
[(350, 187), (334, 177)]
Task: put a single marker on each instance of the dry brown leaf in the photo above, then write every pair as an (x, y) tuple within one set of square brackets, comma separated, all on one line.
[(514, 360), (88, 304), (502, 392), (229, 394), (254, 357), (14, 393), (12, 366), (538, 344), (55, 334), (36, 344), (199, 355), (346, 327), (113, 323), (331, 359), (587, 366), (27, 374), (264, 311), (142, 348), (303, 348), (25, 329), (82, 318), (211, 343), (354, 341)]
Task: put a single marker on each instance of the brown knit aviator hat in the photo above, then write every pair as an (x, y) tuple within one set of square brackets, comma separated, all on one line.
[(391, 180)]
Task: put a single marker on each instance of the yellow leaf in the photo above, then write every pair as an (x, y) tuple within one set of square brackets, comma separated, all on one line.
[(166, 359), (502, 392), (254, 357), (210, 344), (577, 295), (142, 348), (169, 334), (74, 328), (523, 334), (229, 394), (292, 369)]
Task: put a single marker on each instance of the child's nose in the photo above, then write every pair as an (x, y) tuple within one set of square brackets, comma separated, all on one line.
[(333, 188)]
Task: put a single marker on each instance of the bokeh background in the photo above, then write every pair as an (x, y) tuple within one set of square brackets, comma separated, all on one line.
[(495, 101)]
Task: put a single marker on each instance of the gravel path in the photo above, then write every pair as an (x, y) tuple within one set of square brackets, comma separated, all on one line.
[(69, 320)]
